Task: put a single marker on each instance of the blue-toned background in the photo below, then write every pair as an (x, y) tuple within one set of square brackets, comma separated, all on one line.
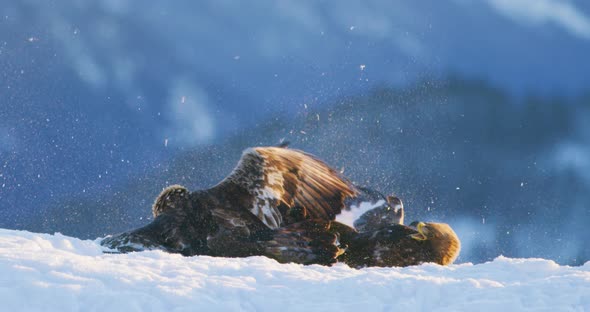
[(476, 113)]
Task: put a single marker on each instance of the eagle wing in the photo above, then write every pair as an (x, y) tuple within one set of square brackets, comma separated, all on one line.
[(164, 233), (273, 182)]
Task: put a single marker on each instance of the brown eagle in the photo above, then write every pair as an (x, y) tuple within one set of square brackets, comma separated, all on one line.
[(277, 202), (281, 203), (398, 245), (379, 237)]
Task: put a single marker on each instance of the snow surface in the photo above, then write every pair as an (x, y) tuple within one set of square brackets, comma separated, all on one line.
[(42, 272)]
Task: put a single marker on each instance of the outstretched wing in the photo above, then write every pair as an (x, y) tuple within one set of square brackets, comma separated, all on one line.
[(273, 181), (164, 233)]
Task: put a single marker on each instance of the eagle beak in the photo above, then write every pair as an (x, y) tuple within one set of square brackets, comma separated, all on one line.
[(420, 235), (340, 252)]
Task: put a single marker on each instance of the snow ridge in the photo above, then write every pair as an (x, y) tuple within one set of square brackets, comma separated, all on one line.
[(41, 272)]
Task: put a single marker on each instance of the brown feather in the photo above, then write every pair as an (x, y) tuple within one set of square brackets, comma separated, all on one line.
[(272, 176), (264, 207), (394, 246)]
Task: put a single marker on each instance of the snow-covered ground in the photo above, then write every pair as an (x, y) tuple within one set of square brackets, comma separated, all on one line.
[(41, 272)]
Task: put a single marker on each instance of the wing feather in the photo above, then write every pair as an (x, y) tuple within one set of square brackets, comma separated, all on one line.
[(275, 175)]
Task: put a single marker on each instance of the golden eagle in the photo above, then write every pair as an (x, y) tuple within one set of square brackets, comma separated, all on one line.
[(379, 237), (398, 245), (277, 202), (281, 203)]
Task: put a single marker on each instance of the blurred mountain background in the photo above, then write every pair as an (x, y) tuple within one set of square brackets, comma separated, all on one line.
[(474, 112)]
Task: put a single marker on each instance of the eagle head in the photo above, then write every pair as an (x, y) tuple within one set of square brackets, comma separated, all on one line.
[(443, 240), (171, 199)]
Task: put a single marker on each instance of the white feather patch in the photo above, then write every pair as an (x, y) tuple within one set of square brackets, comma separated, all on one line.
[(349, 216), (264, 208)]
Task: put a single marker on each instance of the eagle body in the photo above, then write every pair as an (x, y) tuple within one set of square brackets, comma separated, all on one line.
[(282, 203), (399, 245), (273, 196)]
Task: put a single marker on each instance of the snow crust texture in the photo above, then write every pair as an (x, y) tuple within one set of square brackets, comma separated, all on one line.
[(41, 272)]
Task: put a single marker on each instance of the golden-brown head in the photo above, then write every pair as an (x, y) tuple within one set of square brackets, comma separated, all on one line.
[(443, 240), (170, 199)]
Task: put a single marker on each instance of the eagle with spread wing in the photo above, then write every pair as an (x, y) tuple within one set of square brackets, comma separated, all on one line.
[(277, 202)]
